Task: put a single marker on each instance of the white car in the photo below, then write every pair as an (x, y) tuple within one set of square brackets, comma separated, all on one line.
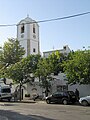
[(84, 100)]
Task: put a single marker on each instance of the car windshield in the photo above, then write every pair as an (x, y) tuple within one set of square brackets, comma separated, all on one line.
[(6, 90)]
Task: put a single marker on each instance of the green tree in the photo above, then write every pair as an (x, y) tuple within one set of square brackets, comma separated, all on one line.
[(43, 71), (49, 65), (20, 72), (11, 53), (55, 60), (77, 67)]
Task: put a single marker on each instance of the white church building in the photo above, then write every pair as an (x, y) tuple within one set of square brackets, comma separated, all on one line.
[(28, 36)]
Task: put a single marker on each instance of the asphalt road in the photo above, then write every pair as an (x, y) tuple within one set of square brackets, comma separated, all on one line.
[(43, 111)]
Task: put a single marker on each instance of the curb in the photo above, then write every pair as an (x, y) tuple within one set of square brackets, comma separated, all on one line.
[(23, 101)]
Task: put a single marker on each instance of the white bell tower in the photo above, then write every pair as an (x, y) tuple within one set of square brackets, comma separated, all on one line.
[(28, 35)]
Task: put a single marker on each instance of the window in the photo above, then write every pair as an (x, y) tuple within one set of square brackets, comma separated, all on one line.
[(22, 29), (62, 88), (33, 28), (64, 47), (22, 35), (34, 36), (6, 90), (34, 50), (59, 88)]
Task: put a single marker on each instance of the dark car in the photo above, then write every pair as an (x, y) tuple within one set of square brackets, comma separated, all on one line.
[(62, 97)]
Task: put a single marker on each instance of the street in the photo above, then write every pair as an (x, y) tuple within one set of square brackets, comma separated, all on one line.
[(43, 111)]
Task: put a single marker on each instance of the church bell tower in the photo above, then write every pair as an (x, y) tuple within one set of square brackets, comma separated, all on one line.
[(28, 36)]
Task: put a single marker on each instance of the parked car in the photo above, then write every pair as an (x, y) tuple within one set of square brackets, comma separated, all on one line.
[(62, 97), (5, 93), (84, 100)]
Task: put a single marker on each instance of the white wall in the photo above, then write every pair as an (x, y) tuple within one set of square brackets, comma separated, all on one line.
[(33, 44), (84, 90), (63, 51), (34, 89)]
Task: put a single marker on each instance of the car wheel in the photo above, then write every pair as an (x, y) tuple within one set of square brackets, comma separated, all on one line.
[(84, 103), (65, 102), (48, 101)]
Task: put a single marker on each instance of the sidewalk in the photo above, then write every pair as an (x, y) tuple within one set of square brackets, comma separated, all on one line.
[(27, 101), (22, 101), (32, 101)]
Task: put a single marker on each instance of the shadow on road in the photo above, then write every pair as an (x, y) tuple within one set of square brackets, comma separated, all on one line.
[(10, 115)]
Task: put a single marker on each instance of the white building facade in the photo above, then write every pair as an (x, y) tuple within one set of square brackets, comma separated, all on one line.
[(65, 51), (28, 36)]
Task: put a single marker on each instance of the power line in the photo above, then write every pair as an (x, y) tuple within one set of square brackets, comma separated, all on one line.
[(7, 25), (49, 20), (66, 17)]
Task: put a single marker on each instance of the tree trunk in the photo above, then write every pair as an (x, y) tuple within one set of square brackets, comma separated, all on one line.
[(20, 91), (46, 92)]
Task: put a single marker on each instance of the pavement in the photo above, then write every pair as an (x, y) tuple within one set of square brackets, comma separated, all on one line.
[(3, 118), (3, 103)]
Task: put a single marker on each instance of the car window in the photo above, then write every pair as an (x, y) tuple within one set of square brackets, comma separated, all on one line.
[(65, 94), (6, 90), (71, 93), (57, 94)]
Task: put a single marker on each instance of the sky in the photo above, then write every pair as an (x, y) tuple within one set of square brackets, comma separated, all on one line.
[(74, 32)]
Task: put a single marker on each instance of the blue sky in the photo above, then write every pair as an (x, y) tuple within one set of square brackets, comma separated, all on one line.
[(74, 32)]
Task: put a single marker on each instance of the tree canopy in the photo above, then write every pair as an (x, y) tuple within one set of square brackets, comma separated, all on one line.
[(20, 71), (11, 53), (77, 67), (46, 66), (55, 61)]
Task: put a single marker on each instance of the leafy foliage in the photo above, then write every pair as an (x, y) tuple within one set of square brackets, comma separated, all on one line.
[(77, 67), (55, 60), (46, 66), (11, 53), (20, 71)]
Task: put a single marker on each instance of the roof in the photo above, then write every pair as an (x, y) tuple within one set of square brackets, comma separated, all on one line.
[(27, 20)]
